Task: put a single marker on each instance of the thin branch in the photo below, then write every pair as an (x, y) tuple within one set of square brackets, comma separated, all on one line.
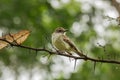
[(86, 58)]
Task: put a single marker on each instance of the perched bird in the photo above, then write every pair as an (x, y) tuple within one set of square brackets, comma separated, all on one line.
[(63, 43)]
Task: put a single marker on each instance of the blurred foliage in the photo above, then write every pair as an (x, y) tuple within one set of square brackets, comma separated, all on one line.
[(42, 17)]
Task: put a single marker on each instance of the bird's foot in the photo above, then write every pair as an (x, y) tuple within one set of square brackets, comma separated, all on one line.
[(60, 52)]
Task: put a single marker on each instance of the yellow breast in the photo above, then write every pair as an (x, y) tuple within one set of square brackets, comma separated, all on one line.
[(59, 43)]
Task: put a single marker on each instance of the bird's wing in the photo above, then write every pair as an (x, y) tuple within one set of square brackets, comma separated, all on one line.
[(68, 41), (73, 47)]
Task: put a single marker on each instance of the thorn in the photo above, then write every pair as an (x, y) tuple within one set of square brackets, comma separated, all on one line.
[(49, 57), (75, 64), (94, 66), (69, 59), (36, 52)]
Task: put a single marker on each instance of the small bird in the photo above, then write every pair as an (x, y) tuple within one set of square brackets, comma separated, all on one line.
[(63, 43)]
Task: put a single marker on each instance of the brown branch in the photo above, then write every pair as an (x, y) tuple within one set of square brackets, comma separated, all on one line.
[(86, 58)]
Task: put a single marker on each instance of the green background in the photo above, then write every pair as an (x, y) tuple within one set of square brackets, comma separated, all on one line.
[(87, 27)]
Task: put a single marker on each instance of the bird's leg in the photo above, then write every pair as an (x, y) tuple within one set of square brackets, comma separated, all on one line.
[(60, 52)]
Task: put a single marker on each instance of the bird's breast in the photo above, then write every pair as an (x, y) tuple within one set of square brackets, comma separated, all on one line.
[(59, 43)]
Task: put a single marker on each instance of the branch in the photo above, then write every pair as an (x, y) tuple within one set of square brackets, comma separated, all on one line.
[(86, 58)]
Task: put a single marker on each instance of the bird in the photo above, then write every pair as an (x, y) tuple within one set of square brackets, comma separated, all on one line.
[(63, 43)]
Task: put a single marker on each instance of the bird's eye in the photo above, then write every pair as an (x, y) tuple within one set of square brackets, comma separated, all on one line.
[(59, 30)]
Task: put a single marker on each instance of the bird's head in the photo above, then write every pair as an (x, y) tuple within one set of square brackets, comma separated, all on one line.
[(60, 30)]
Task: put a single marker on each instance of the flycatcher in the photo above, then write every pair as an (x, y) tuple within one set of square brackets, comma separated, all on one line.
[(63, 43)]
